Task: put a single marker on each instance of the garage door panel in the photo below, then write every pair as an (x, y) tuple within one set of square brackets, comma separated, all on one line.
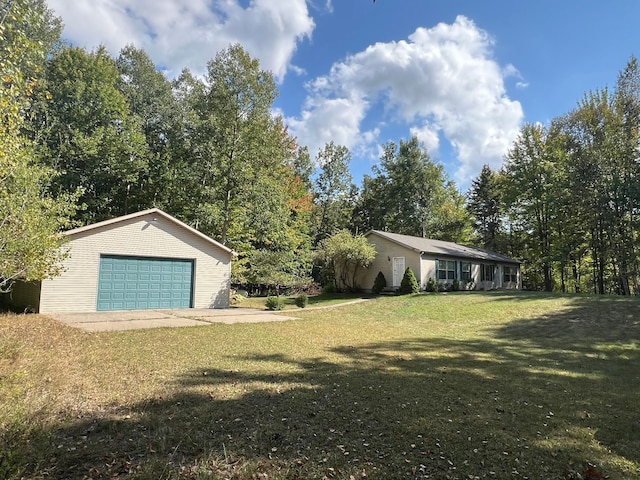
[(134, 283)]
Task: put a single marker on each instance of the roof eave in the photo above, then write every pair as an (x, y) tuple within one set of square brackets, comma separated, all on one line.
[(397, 242), (142, 213)]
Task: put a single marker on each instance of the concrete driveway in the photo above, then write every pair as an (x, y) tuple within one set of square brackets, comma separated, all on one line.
[(188, 317)]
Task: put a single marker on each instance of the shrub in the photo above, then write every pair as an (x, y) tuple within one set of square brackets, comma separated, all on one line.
[(275, 303), (379, 284), (302, 300), (455, 286), (432, 285), (329, 288), (409, 283), (237, 297)]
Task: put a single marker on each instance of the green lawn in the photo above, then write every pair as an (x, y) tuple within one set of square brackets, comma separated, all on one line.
[(460, 386), (322, 300)]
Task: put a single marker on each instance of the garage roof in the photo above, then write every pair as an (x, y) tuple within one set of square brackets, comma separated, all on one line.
[(151, 211)]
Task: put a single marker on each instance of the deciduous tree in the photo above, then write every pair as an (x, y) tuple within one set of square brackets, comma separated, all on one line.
[(89, 134), (412, 195), (333, 191), (30, 219), (346, 254)]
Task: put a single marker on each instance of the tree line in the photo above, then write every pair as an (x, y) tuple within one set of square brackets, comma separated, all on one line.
[(567, 199), (87, 137)]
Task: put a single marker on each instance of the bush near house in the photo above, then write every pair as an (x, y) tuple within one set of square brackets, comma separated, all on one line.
[(302, 300), (409, 283), (432, 285), (275, 303), (379, 283)]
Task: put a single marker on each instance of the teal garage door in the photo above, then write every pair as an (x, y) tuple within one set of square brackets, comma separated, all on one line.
[(138, 283)]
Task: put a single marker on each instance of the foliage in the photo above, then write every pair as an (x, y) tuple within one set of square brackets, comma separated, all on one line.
[(238, 296), (531, 168), (244, 178), (30, 218), (571, 198), (302, 300), (379, 283), (409, 283), (432, 285), (347, 254), (157, 112), (333, 191), (324, 299), (89, 134), (277, 269), (484, 205), (275, 303), (411, 195)]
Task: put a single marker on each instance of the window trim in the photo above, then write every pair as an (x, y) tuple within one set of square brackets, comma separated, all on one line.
[(510, 274), (446, 270), (487, 268), (463, 272)]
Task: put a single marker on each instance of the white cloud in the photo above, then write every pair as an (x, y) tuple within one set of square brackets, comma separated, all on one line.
[(428, 136), (441, 83), (188, 33), (511, 71), (329, 119)]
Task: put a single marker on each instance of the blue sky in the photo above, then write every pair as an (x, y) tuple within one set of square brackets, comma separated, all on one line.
[(462, 75)]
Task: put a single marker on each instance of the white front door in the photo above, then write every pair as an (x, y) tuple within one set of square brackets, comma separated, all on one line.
[(398, 271)]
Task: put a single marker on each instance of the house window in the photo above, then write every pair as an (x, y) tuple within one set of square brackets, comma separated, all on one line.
[(486, 273), (465, 271), (510, 274), (446, 270)]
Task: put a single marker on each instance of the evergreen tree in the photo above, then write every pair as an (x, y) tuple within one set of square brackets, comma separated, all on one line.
[(379, 283), (409, 283), (484, 207)]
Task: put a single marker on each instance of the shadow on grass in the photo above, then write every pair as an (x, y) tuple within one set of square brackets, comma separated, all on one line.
[(536, 399)]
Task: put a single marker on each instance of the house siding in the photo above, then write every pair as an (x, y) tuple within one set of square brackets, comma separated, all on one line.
[(149, 235), (386, 250), (429, 267), (423, 265)]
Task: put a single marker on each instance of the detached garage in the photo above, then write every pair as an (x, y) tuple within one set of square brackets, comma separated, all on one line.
[(145, 260)]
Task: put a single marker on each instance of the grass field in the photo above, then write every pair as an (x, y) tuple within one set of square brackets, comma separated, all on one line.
[(450, 386), (289, 301)]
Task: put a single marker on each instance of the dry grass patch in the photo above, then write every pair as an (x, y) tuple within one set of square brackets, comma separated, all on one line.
[(486, 385)]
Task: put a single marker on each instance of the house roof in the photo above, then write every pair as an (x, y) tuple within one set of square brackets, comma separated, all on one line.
[(439, 247), (151, 211)]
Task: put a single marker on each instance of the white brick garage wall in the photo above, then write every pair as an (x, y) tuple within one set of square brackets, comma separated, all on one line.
[(151, 233)]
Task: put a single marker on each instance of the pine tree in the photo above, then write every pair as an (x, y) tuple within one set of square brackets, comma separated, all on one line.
[(484, 206), (409, 283)]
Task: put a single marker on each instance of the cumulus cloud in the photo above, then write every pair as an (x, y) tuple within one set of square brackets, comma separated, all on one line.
[(188, 33), (442, 83)]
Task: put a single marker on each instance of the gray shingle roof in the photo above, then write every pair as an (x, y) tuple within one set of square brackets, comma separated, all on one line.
[(439, 247)]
